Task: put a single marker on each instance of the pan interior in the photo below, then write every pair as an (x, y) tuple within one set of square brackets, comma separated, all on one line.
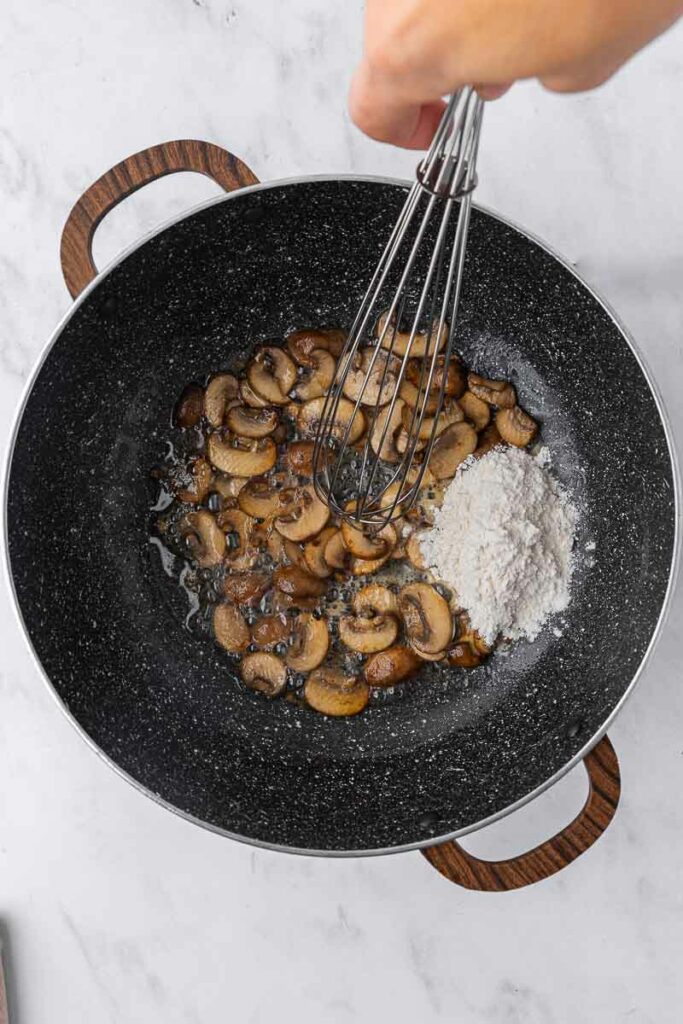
[(106, 622)]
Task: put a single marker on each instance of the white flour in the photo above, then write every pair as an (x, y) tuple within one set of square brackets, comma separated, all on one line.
[(503, 540)]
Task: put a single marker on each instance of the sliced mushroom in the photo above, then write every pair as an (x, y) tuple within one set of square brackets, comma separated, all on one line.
[(374, 386), (204, 538), (276, 546), (426, 656), (272, 375), (494, 392), (310, 414), (305, 517), (368, 635), (282, 602), (310, 643), (337, 555), (319, 380), (220, 390), (247, 422), (230, 628), (314, 553), (366, 542), (366, 566), (299, 457), (386, 668), (475, 409), (426, 617), (374, 599), (488, 439), (450, 413), (330, 692), (384, 430), (292, 579), (452, 377), (246, 587), (303, 343), (461, 655), (202, 476), (451, 448), (249, 396), (240, 457), (423, 343), (403, 439), (516, 426), (471, 649), (264, 672), (414, 551), (266, 496), (294, 553), (189, 407), (237, 524), (228, 486), (412, 396), (271, 630)]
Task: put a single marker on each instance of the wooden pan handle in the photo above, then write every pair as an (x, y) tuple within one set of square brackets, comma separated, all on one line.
[(127, 177), (545, 860)]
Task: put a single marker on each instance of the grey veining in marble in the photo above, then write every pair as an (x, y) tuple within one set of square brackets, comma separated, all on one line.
[(148, 918)]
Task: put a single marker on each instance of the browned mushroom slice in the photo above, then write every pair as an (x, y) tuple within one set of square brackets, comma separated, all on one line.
[(265, 496), (294, 553), (276, 546), (282, 602), (246, 422), (451, 448), (241, 554), (337, 555), (299, 457), (423, 343), (427, 618), (204, 538), (239, 457), (291, 579), (314, 553), (366, 541), (414, 551), (368, 635), (202, 476), (271, 630), (383, 440), (264, 672), (386, 668), (366, 566), (461, 655), (475, 409), (330, 692), (189, 407), (426, 656), (306, 516), (272, 375), (450, 413), (403, 439), (220, 390), (310, 414), (374, 599), (228, 486), (516, 426), (494, 392), (374, 386), (451, 377), (249, 397), (467, 634), (303, 343), (320, 377), (488, 439), (310, 643), (246, 587), (414, 397), (229, 628)]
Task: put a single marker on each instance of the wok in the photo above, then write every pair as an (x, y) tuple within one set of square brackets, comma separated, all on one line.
[(440, 757)]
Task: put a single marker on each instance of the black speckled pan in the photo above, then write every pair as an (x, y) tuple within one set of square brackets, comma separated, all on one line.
[(106, 624)]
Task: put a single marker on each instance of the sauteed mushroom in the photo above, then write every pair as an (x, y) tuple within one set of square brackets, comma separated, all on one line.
[(364, 542), (423, 343), (386, 668), (189, 408), (241, 457), (264, 672), (426, 617), (247, 422), (494, 392), (203, 537), (455, 380), (249, 396), (271, 630), (516, 426), (230, 629), (384, 441), (414, 551), (412, 396), (301, 344), (309, 645), (374, 599), (377, 386), (246, 587), (305, 517), (228, 486), (320, 378), (272, 374), (368, 635), (451, 448), (314, 553), (220, 390), (238, 525), (337, 555), (291, 579), (332, 693), (475, 409), (450, 413), (310, 414), (299, 457), (202, 476), (264, 496)]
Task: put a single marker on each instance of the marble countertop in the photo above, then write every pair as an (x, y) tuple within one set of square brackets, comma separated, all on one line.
[(117, 911)]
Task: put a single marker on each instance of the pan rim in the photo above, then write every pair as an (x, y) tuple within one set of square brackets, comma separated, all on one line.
[(431, 840)]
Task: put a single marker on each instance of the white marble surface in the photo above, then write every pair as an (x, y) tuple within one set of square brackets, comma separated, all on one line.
[(120, 912)]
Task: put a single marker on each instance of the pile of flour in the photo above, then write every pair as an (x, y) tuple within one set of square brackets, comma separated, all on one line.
[(503, 541)]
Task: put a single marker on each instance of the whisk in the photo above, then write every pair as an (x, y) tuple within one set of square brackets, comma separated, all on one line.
[(359, 485)]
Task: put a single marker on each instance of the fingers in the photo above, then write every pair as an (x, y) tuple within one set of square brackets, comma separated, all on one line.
[(493, 92), (383, 113)]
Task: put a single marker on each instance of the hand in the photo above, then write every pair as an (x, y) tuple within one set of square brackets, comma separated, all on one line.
[(418, 50)]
